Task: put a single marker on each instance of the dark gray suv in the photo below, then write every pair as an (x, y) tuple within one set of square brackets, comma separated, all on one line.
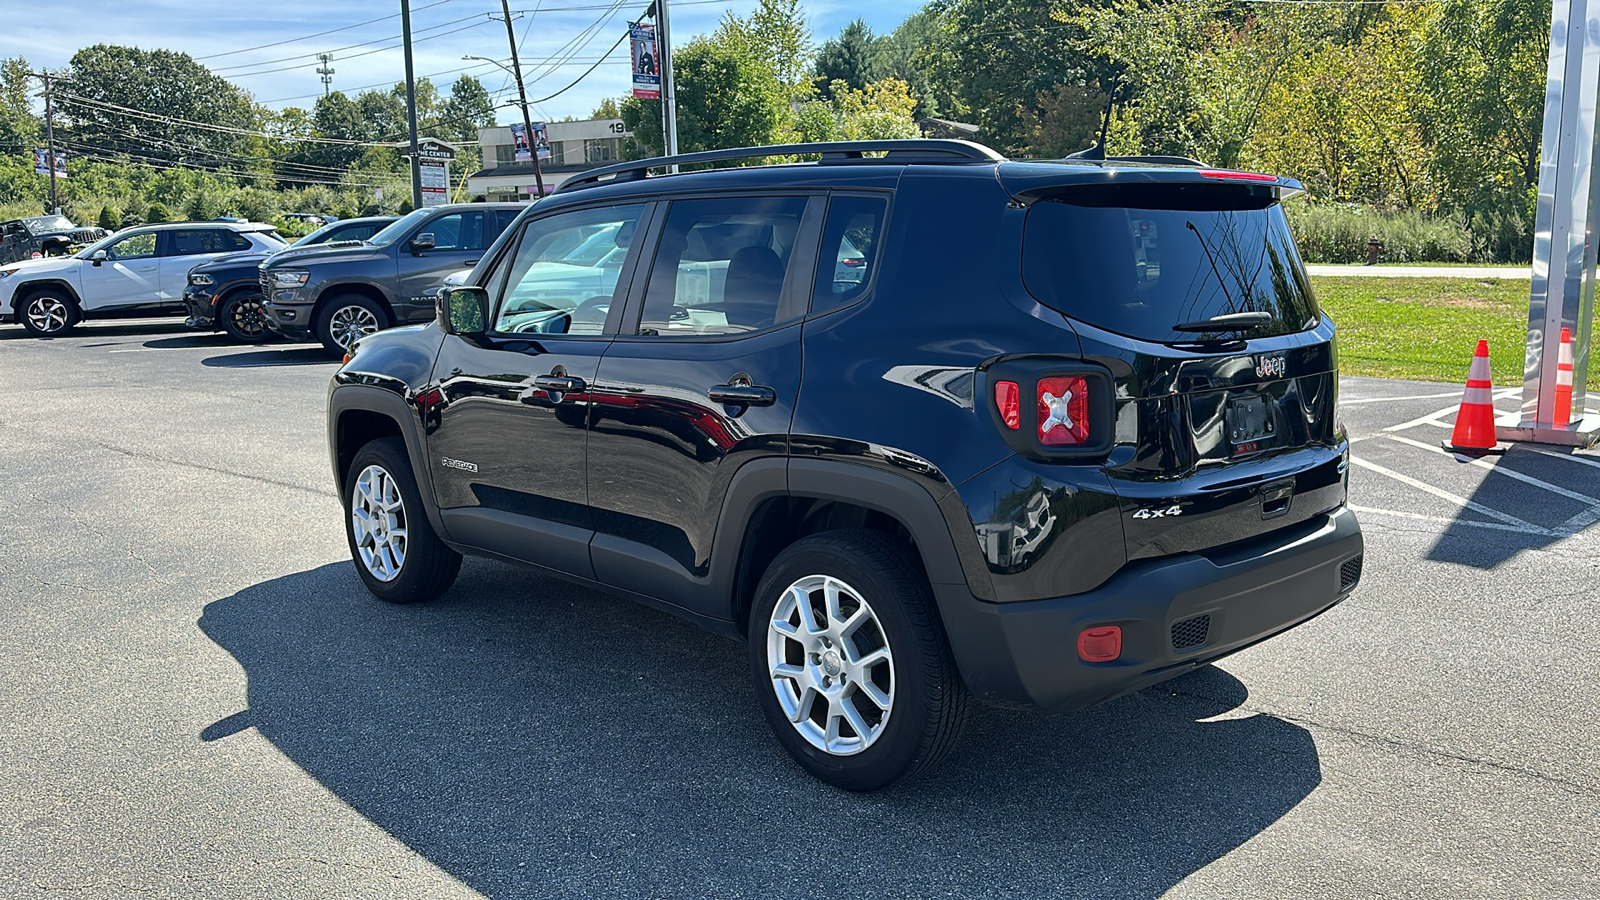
[(338, 294)]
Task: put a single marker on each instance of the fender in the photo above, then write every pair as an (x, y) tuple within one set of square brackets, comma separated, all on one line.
[(23, 288), (387, 402)]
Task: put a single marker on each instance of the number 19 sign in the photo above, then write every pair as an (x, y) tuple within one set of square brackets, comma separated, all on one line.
[(646, 62)]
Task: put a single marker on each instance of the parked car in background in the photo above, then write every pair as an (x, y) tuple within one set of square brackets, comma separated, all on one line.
[(338, 294), (137, 271), (224, 294), (37, 237)]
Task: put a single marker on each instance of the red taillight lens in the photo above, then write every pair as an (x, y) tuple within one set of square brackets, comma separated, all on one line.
[(1102, 644), (1008, 400), (1063, 411), (1230, 175)]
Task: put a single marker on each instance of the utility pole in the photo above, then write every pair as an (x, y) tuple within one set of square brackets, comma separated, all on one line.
[(411, 106), (50, 143), (669, 100), (326, 71), (522, 92)]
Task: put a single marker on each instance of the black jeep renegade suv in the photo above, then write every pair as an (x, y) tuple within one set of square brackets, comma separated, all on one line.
[(917, 423)]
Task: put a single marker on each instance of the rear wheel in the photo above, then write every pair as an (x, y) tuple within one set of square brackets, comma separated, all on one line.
[(48, 313), (244, 317), (396, 551), (347, 319), (851, 664)]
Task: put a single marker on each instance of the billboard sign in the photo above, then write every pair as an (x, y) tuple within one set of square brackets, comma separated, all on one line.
[(41, 164)]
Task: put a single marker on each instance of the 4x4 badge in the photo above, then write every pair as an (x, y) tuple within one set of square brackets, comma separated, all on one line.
[(459, 464), (1271, 367), (1150, 513)]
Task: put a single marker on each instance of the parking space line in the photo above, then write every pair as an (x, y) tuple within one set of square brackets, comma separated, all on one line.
[(164, 349), (1507, 472), (1434, 417), (1568, 456), (1419, 517), (1446, 495)]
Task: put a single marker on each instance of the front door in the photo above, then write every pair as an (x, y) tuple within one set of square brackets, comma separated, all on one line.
[(459, 239), (702, 380), (507, 432), (130, 275)]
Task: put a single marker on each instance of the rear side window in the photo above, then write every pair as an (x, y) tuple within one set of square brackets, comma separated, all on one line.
[(186, 242), (849, 251), (721, 266), (1137, 260)]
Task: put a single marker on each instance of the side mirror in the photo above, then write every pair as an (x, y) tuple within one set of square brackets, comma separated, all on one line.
[(464, 310), (423, 242), (98, 257)]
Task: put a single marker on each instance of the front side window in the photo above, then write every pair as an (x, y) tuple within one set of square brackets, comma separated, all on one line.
[(721, 266), (457, 231), (563, 276), (398, 228), (134, 246)]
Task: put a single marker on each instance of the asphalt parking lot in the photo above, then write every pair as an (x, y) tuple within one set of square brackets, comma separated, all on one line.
[(200, 699)]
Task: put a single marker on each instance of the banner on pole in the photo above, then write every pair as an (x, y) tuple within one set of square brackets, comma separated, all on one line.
[(41, 164), (520, 143), (646, 62)]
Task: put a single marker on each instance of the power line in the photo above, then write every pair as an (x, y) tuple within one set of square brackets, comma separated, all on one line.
[(359, 55), (391, 37), (308, 37)]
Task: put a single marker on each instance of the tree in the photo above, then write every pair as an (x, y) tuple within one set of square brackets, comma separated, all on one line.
[(467, 110), (606, 110), (774, 35), (127, 100), (850, 58), (880, 111), (157, 213), (19, 130), (726, 98), (1066, 120), (904, 54)]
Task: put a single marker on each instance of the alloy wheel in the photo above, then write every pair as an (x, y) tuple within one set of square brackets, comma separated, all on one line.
[(830, 665), (349, 324), (378, 521), (249, 317), (47, 314)]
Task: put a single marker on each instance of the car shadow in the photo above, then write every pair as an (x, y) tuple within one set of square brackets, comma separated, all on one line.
[(192, 340), (533, 738), (257, 359), (1558, 517)]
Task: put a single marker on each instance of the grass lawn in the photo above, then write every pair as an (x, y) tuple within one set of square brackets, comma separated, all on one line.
[(1426, 328)]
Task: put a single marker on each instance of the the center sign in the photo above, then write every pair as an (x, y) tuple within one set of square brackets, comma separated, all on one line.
[(433, 161)]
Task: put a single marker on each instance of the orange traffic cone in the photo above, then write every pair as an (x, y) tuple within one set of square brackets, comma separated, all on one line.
[(1474, 433), (1562, 414)]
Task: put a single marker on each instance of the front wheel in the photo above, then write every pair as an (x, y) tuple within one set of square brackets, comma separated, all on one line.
[(851, 665), (48, 313), (396, 551), (244, 317), (347, 319)]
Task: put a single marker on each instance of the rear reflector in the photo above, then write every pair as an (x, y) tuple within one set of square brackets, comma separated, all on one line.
[(1102, 644), (1230, 175), (1063, 411), (1008, 400)]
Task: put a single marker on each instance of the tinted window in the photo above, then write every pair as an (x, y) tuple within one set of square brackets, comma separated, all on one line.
[(721, 265), (551, 287), (502, 220), (849, 250), (137, 246), (457, 231), (398, 228), (1138, 260), (186, 242)]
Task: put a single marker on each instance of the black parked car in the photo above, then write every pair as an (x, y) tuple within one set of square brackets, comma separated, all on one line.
[(41, 236), (339, 294), (917, 427), (225, 293)]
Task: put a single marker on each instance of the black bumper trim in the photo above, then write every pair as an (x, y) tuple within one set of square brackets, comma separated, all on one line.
[(1024, 654)]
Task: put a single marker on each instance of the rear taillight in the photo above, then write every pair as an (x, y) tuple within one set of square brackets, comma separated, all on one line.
[(1008, 401), (1063, 411)]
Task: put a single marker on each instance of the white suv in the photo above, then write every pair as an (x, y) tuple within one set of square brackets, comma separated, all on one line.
[(141, 270)]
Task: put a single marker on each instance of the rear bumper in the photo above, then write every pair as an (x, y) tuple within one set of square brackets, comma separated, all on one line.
[(1025, 653)]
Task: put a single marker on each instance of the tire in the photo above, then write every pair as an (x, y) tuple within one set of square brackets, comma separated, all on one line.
[(48, 313), (381, 502), (346, 319), (926, 702), (244, 317)]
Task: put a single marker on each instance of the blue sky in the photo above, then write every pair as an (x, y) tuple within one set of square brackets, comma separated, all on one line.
[(445, 30)]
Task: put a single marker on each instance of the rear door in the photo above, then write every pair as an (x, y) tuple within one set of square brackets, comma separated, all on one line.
[(701, 380), (1223, 432), (184, 248)]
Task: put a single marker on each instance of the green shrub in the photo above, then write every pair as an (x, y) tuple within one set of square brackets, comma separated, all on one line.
[(157, 212), (110, 219), (1339, 234)]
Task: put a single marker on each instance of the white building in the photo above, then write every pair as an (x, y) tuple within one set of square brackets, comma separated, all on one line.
[(574, 147)]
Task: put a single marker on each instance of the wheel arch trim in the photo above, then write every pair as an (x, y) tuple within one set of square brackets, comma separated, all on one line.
[(386, 403)]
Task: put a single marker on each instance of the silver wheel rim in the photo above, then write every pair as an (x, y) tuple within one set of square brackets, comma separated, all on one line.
[(47, 314), (830, 665), (378, 521), (349, 324)]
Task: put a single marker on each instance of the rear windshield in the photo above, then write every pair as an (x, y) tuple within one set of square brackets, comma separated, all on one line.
[(1139, 259)]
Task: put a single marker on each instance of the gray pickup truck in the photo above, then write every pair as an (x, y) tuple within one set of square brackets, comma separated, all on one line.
[(339, 294)]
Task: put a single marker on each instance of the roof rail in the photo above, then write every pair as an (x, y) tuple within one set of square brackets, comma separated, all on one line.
[(915, 150)]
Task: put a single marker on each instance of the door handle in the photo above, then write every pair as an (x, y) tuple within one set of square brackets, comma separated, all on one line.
[(472, 262), (743, 395), (559, 384)]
